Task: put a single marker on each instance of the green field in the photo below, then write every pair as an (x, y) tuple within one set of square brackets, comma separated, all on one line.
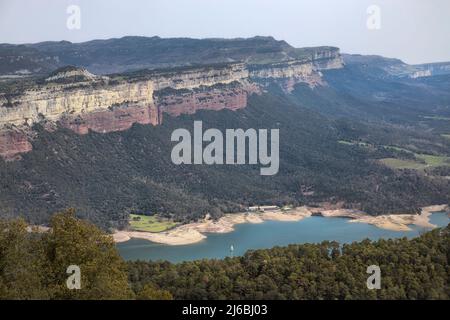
[(447, 136), (433, 161), (149, 223), (422, 160), (402, 164), (430, 161)]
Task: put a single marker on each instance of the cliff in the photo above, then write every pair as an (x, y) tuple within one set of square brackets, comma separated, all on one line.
[(81, 101), (12, 143), (306, 70)]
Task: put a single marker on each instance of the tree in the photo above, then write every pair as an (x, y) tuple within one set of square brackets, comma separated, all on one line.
[(76, 242), (149, 292), (33, 265), (22, 271)]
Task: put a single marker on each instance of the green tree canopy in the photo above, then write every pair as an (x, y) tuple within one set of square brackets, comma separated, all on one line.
[(34, 265)]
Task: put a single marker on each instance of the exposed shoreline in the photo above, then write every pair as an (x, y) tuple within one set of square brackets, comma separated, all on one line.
[(195, 232)]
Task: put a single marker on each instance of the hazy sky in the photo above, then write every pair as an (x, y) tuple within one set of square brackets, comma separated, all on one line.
[(416, 31)]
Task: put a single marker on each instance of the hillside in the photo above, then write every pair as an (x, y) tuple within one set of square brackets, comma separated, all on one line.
[(107, 176), (353, 132)]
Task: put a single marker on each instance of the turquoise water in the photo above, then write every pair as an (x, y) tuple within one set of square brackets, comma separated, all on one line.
[(267, 235)]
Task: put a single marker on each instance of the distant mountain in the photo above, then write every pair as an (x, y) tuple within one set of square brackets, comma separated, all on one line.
[(389, 67), (378, 89), (134, 53)]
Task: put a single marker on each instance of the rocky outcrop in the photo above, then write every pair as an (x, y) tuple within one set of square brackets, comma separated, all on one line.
[(287, 74), (187, 102), (190, 78), (327, 59), (290, 69), (81, 101), (306, 70), (54, 101), (71, 74), (51, 102), (117, 119), (13, 142)]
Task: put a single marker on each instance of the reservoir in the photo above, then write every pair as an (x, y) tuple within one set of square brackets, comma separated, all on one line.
[(267, 235)]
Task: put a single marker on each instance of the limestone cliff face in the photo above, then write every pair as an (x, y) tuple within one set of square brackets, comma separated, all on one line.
[(328, 60), (306, 70), (296, 68), (287, 74), (54, 101), (81, 101), (51, 102), (203, 76)]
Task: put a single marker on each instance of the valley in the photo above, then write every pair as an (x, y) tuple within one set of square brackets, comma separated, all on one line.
[(224, 154), (99, 142)]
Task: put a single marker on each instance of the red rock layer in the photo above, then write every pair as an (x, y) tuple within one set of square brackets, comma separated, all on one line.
[(12, 143), (118, 119), (190, 102), (122, 118)]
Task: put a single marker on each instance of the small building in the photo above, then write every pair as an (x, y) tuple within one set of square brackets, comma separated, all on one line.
[(268, 208), (262, 208)]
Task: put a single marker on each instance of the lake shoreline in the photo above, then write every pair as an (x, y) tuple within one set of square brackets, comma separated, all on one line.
[(197, 231)]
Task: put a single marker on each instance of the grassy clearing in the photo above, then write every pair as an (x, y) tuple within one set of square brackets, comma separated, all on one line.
[(433, 161), (150, 223), (421, 160), (430, 161), (447, 136), (402, 164)]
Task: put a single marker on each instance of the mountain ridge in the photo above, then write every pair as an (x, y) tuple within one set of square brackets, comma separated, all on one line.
[(134, 53), (82, 101)]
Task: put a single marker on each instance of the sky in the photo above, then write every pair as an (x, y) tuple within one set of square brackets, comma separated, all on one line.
[(416, 31)]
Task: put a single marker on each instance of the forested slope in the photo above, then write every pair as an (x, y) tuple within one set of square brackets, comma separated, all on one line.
[(107, 176), (410, 269)]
